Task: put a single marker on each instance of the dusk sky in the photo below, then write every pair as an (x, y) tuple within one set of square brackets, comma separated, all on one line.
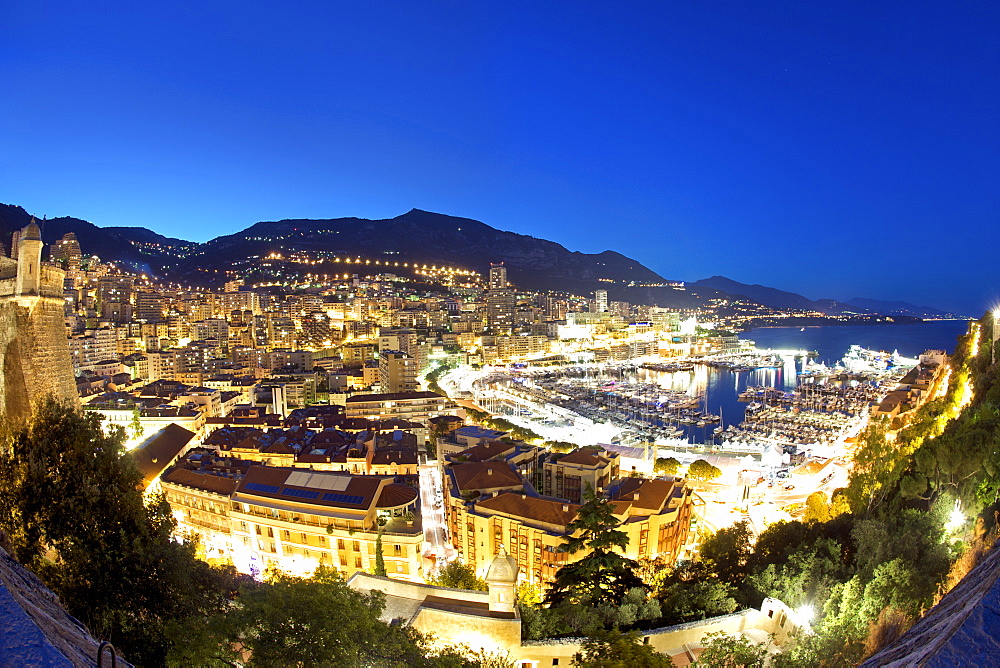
[(832, 149)]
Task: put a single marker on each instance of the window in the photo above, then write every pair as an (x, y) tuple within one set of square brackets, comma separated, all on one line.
[(357, 547), (340, 544), (398, 549), (357, 562)]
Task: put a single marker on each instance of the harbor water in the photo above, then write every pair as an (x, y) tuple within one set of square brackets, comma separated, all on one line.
[(721, 387)]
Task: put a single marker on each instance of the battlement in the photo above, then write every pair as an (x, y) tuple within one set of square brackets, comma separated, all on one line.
[(52, 281)]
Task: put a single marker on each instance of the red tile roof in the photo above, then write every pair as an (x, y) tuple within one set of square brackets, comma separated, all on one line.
[(396, 496), (485, 475), (203, 481), (585, 457), (531, 508), (486, 451), (650, 495)]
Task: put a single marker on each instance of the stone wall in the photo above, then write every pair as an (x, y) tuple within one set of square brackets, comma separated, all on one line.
[(35, 630), (35, 353)]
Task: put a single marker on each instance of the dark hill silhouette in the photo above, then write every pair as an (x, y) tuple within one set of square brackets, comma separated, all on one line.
[(433, 238), (423, 237), (136, 246)]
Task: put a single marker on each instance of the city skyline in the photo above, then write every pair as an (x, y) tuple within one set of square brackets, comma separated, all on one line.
[(856, 139)]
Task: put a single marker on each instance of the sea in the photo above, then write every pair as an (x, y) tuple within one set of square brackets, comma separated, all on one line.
[(720, 388)]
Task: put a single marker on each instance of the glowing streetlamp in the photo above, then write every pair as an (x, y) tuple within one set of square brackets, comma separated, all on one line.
[(955, 519)]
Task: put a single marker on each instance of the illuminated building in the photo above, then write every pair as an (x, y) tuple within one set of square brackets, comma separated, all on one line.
[(656, 515), (397, 372), (297, 520), (412, 406), (600, 301), (567, 476), (498, 277)]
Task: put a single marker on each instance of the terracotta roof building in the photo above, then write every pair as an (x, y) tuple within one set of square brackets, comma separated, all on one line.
[(159, 451), (568, 476)]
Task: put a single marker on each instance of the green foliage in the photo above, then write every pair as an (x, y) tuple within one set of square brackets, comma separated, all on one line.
[(723, 651), (614, 649), (318, 621), (434, 375), (693, 592), (71, 503), (459, 576), (484, 419), (807, 576), (666, 465), (136, 424), (726, 552), (817, 507), (560, 446), (603, 576), (379, 558), (700, 469)]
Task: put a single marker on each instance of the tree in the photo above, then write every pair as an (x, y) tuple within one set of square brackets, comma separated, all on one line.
[(666, 465), (136, 424), (603, 575), (817, 507), (71, 503), (318, 621), (459, 576), (700, 469), (727, 551), (379, 558), (614, 649), (723, 651), (691, 591)]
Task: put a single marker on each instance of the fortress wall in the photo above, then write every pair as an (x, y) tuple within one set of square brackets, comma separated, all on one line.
[(33, 345), (45, 350), (14, 400), (51, 283)]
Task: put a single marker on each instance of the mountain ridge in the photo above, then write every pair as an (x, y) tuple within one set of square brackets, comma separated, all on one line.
[(421, 236)]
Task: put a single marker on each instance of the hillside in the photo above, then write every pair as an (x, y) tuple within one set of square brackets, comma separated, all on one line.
[(433, 238), (779, 299), (137, 246), (420, 237)]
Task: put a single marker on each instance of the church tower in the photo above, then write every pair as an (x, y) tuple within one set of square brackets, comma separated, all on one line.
[(501, 578), (29, 261)]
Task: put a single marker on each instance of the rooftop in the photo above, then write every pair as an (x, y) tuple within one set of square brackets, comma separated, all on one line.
[(545, 511), (485, 475)]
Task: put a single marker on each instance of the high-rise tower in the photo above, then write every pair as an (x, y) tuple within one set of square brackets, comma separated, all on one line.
[(601, 301), (498, 277)]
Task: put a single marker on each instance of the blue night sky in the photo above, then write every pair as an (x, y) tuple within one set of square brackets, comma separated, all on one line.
[(833, 149)]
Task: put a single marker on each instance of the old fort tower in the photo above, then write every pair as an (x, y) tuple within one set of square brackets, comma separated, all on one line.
[(33, 345)]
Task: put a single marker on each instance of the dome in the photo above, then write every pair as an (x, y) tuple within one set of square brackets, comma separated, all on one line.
[(503, 569), (31, 232)]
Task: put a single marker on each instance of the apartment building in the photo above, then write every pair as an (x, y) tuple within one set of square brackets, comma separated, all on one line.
[(297, 520), (397, 372), (656, 515), (567, 476)]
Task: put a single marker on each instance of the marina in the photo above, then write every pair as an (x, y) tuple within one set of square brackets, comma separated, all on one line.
[(776, 402)]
